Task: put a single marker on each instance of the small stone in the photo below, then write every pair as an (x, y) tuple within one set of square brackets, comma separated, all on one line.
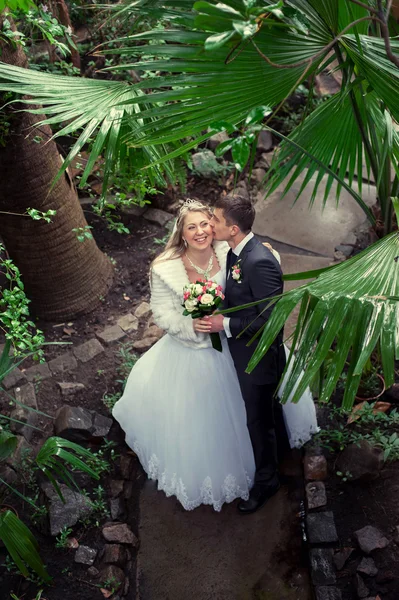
[(145, 344), (16, 377), (216, 139), (88, 350), (346, 250), (111, 334), (325, 592), (396, 535), (265, 141), (370, 538), (128, 490), (85, 555), (258, 176), (70, 389), (120, 533), (23, 447), (341, 557), (362, 590), (155, 215), (316, 494), (117, 508), (114, 574), (367, 567), (116, 487), (63, 364), (38, 372), (315, 468), (321, 528), (265, 160), (361, 460), (205, 164), (126, 586), (115, 554), (128, 323), (154, 331), (65, 514), (93, 573), (322, 568), (339, 256), (143, 310), (79, 424), (26, 395), (28, 419), (242, 189), (8, 474)]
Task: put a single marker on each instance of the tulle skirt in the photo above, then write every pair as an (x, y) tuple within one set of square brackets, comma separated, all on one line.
[(184, 416)]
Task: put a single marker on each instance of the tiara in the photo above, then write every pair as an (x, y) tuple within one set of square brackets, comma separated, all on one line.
[(190, 202)]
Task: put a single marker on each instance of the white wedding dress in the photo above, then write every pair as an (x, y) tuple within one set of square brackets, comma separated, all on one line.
[(184, 416)]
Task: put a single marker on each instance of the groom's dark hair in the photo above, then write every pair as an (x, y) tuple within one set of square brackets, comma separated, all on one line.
[(237, 210)]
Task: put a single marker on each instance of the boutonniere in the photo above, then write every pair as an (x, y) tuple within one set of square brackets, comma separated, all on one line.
[(236, 271)]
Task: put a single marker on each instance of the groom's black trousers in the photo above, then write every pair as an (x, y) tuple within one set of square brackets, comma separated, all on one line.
[(260, 405)]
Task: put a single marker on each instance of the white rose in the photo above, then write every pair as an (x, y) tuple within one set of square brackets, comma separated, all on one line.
[(190, 304), (198, 289), (235, 276), (207, 299), (214, 286)]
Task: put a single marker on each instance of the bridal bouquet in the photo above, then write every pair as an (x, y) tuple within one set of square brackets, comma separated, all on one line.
[(203, 298)]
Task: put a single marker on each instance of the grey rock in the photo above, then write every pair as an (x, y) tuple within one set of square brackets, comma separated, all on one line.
[(265, 160), (93, 573), (144, 344), (115, 554), (339, 256), (134, 210), (341, 557), (154, 331), (116, 487), (65, 515), (128, 490), (370, 538), (70, 389), (367, 567), (85, 555), (63, 364), (126, 464), (28, 419), (328, 593), (322, 568), (111, 334), (88, 350), (22, 449), (241, 189), (8, 474), (128, 323), (321, 528), (120, 533), (258, 176), (101, 425), (78, 424), (38, 372), (362, 461), (362, 590), (217, 139), (396, 535), (392, 394), (206, 164), (316, 494), (117, 508), (143, 310), (346, 250), (265, 141), (16, 377), (160, 217), (126, 586)]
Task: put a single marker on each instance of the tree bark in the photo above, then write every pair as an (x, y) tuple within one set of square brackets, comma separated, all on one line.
[(63, 277)]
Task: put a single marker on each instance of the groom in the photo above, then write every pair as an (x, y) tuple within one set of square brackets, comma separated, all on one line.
[(257, 276)]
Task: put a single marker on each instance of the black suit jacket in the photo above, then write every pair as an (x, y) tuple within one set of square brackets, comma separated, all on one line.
[(261, 278)]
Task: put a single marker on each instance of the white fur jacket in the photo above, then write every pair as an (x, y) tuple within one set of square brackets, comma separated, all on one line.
[(168, 278)]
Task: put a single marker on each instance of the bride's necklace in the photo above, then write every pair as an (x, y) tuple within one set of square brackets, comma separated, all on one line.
[(205, 272)]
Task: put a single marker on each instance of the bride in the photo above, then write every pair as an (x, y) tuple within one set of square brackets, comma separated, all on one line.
[(182, 409)]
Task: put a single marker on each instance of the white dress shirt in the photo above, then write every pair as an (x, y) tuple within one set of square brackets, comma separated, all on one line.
[(237, 251)]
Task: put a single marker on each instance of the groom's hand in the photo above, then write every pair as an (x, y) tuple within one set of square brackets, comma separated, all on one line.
[(216, 323)]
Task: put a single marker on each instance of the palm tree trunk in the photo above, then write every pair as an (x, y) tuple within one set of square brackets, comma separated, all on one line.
[(63, 277)]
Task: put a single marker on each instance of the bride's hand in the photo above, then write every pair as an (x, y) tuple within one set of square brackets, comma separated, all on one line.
[(202, 326)]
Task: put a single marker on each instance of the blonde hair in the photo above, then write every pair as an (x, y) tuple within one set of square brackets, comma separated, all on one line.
[(175, 247)]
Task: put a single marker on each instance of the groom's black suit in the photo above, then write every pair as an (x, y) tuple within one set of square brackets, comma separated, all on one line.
[(261, 278)]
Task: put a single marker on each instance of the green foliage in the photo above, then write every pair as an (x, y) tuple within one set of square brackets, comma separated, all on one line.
[(128, 360), (83, 233), (62, 539), (109, 400)]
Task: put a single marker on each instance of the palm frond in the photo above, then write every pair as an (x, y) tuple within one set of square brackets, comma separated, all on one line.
[(350, 309), (21, 544)]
